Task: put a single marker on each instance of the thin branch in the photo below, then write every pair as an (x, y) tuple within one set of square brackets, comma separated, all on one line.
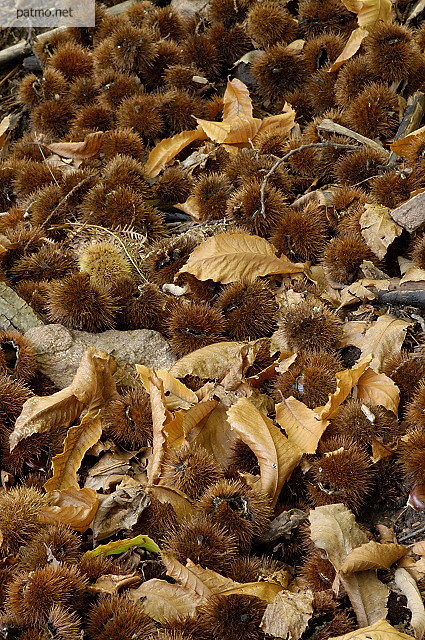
[(312, 145)]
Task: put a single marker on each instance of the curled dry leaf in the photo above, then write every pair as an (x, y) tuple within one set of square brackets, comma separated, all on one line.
[(236, 100), (111, 583), (119, 511), (380, 630), (277, 456), (186, 424), (288, 615), (370, 11), (238, 130), (378, 389), (373, 555), (165, 602), (302, 425), (355, 293), (73, 507), (353, 45), (214, 434), (66, 464), (378, 228), (160, 417), (186, 577), (79, 150), (229, 257), (168, 148), (345, 381), (413, 274), (334, 529), (93, 385), (409, 588), (282, 123), (177, 395)]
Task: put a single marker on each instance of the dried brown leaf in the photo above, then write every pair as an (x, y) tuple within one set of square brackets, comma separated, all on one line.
[(370, 11), (238, 130), (378, 389), (211, 362), (229, 257), (79, 150), (186, 577), (302, 425), (409, 588), (119, 511), (66, 464), (160, 417), (168, 148), (277, 456), (334, 529), (73, 507), (288, 615), (378, 228), (384, 338), (177, 395), (281, 123), (373, 555), (165, 602)]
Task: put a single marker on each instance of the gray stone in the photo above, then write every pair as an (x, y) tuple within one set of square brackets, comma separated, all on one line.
[(411, 214), (59, 351)]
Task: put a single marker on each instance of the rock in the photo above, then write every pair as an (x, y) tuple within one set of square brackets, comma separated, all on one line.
[(411, 214), (15, 313), (59, 351)]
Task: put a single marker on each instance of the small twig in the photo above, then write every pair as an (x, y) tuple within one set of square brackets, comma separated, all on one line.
[(312, 145), (412, 118), (412, 534), (399, 297), (333, 127)]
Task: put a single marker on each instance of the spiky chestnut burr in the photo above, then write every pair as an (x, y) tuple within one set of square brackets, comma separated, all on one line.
[(191, 469), (344, 255), (406, 370), (201, 51), (358, 166), (143, 114), (128, 419), (51, 261), (63, 543), (17, 356), (77, 303), (412, 455), (72, 60), (343, 473), (104, 263), (242, 511), (13, 394), (278, 71), (301, 235), (115, 617), (311, 325), (211, 192), (193, 326), (33, 90), (329, 15), (167, 257), (244, 207), (365, 423), (19, 509), (374, 112), (173, 185), (204, 542), (232, 617), (239, 303), (310, 379), (270, 23), (321, 51), (391, 51)]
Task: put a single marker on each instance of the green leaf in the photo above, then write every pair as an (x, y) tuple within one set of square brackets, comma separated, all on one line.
[(120, 546)]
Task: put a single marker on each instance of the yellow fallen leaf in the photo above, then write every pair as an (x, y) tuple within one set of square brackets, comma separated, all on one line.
[(4, 127), (277, 456), (229, 257), (168, 148), (65, 465), (380, 630), (282, 123), (352, 46), (177, 395), (182, 505), (378, 389), (378, 228), (384, 338), (302, 425)]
